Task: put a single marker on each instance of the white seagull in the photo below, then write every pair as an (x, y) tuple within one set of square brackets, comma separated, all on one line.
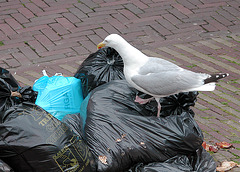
[(155, 76)]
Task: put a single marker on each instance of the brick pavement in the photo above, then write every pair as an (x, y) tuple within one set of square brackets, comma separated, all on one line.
[(201, 35)]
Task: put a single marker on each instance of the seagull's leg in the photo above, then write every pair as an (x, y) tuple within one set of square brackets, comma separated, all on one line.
[(142, 101), (159, 107)]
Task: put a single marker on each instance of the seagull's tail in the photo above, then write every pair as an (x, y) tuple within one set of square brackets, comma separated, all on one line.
[(210, 82), (215, 77)]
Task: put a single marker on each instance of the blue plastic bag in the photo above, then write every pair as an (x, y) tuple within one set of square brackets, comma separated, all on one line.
[(59, 95)]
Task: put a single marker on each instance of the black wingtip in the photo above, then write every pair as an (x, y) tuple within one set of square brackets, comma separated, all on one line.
[(215, 77)]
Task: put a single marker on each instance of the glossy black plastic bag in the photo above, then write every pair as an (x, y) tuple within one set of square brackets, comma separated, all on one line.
[(7, 76), (173, 104), (202, 161), (33, 140), (74, 122), (9, 84), (5, 96), (99, 68), (120, 132), (5, 167), (7, 99)]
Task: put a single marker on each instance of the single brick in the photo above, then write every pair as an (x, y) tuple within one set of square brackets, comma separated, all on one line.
[(53, 36), (13, 23), (40, 3), (12, 62), (171, 18), (182, 9), (37, 46), (26, 12), (29, 53), (22, 58), (32, 7), (44, 41), (7, 29), (134, 9), (128, 14), (57, 11), (78, 13), (59, 28), (72, 18), (84, 8), (65, 23)]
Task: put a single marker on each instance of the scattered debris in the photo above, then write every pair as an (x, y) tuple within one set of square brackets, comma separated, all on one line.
[(103, 159), (209, 147), (224, 145), (227, 165), (217, 146)]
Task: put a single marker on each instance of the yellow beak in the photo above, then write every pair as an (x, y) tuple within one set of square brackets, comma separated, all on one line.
[(100, 45)]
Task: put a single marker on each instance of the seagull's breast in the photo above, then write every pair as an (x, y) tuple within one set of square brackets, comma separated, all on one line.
[(129, 72)]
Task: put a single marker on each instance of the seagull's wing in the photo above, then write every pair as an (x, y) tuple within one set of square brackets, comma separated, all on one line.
[(160, 77)]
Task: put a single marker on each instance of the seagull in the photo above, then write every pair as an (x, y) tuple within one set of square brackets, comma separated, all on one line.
[(155, 76)]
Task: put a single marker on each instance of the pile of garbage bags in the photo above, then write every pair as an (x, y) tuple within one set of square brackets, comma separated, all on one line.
[(90, 122)]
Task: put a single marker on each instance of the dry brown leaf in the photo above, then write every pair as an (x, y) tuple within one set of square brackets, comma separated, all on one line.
[(227, 165), (224, 145), (118, 140), (103, 159), (209, 147)]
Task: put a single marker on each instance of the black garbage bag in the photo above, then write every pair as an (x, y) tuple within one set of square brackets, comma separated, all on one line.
[(27, 94), (9, 84), (99, 68), (202, 161), (74, 122), (4, 167), (5, 96), (7, 99), (120, 133), (7, 76), (33, 140), (173, 104)]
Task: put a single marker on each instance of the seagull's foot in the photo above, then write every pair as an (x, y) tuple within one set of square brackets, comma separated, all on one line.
[(142, 101)]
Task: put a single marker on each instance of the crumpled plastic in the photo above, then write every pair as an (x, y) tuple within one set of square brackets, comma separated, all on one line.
[(5, 167), (200, 162), (99, 68), (59, 95), (33, 140), (121, 133), (7, 76)]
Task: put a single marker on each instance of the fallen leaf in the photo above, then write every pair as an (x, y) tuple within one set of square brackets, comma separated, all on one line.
[(118, 140), (103, 159), (209, 147), (227, 165), (224, 145), (213, 148), (204, 144)]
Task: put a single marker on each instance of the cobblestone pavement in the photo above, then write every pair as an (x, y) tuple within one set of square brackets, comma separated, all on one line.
[(201, 35)]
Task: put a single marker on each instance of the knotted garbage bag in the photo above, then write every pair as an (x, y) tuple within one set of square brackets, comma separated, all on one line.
[(33, 140), (99, 68), (5, 96), (59, 95), (121, 133), (11, 92), (7, 76)]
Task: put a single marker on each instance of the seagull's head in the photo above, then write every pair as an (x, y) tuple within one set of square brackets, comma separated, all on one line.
[(112, 40)]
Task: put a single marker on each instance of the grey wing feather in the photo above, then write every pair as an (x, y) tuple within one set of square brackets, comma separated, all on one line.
[(154, 64), (168, 82)]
